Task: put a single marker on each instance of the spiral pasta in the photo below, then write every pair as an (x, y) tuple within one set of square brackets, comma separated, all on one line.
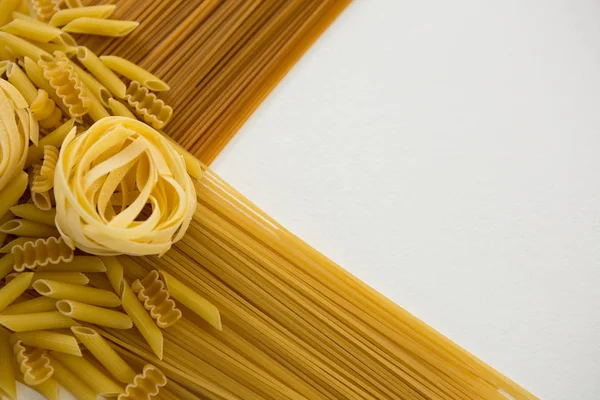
[(41, 252), (16, 125), (63, 78), (39, 183), (145, 103), (119, 155), (156, 299), (145, 386), (43, 107), (49, 163), (34, 363)]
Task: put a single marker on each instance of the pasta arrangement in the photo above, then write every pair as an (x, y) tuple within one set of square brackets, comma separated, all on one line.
[(119, 249)]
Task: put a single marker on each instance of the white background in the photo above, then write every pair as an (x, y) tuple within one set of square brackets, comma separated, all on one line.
[(448, 154)]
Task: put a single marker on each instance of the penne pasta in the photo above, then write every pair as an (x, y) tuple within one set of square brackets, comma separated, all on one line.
[(192, 300), (95, 108), (55, 138), (94, 315), (10, 195), (23, 227), (52, 47), (63, 17), (5, 218), (104, 353), (78, 264), (6, 265), (101, 27), (72, 382), (7, 248), (6, 9), (37, 305), (73, 3), (48, 389), (67, 291), (21, 47), (119, 109), (8, 387), (31, 213), (142, 321), (135, 73), (102, 73), (90, 374), (12, 290), (32, 30), (51, 341), (19, 79), (75, 278), (35, 321)]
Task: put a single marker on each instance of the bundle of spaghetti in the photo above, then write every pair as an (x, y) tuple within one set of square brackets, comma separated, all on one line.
[(150, 108), (41, 252), (221, 57), (62, 77), (156, 299), (34, 363)]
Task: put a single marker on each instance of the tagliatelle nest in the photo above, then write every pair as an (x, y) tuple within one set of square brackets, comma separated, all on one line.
[(120, 188)]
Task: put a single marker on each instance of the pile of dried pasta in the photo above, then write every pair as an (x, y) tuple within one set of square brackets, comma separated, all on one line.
[(91, 193)]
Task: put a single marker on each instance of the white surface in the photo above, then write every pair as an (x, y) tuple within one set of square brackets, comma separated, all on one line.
[(448, 153)]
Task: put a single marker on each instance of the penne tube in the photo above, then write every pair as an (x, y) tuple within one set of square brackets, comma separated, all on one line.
[(135, 73), (19, 79), (5, 218), (90, 374), (74, 3), (21, 46), (99, 281), (37, 305), (31, 213), (63, 17), (6, 265), (52, 47), (93, 85), (35, 321), (78, 264), (75, 278), (35, 31), (101, 27), (23, 227), (119, 109), (105, 354), (192, 300), (95, 108), (72, 382), (51, 341), (6, 9), (8, 387), (142, 320), (102, 73), (10, 195), (48, 389), (12, 290), (94, 315), (7, 248), (66, 39), (67, 291), (55, 138)]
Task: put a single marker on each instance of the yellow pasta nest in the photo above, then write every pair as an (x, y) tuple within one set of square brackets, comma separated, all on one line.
[(15, 128), (41, 252), (34, 363), (145, 103), (39, 182), (45, 9), (63, 78), (145, 386), (121, 188), (154, 295), (49, 163)]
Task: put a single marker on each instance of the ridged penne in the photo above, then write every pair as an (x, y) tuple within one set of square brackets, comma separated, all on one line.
[(45, 9), (34, 363), (65, 81), (101, 27), (153, 294), (32, 213), (12, 290), (36, 321), (94, 315), (51, 341), (90, 374), (63, 17), (150, 108), (67, 291), (23, 227), (101, 72), (104, 353), (145, 386), (42, 252)]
